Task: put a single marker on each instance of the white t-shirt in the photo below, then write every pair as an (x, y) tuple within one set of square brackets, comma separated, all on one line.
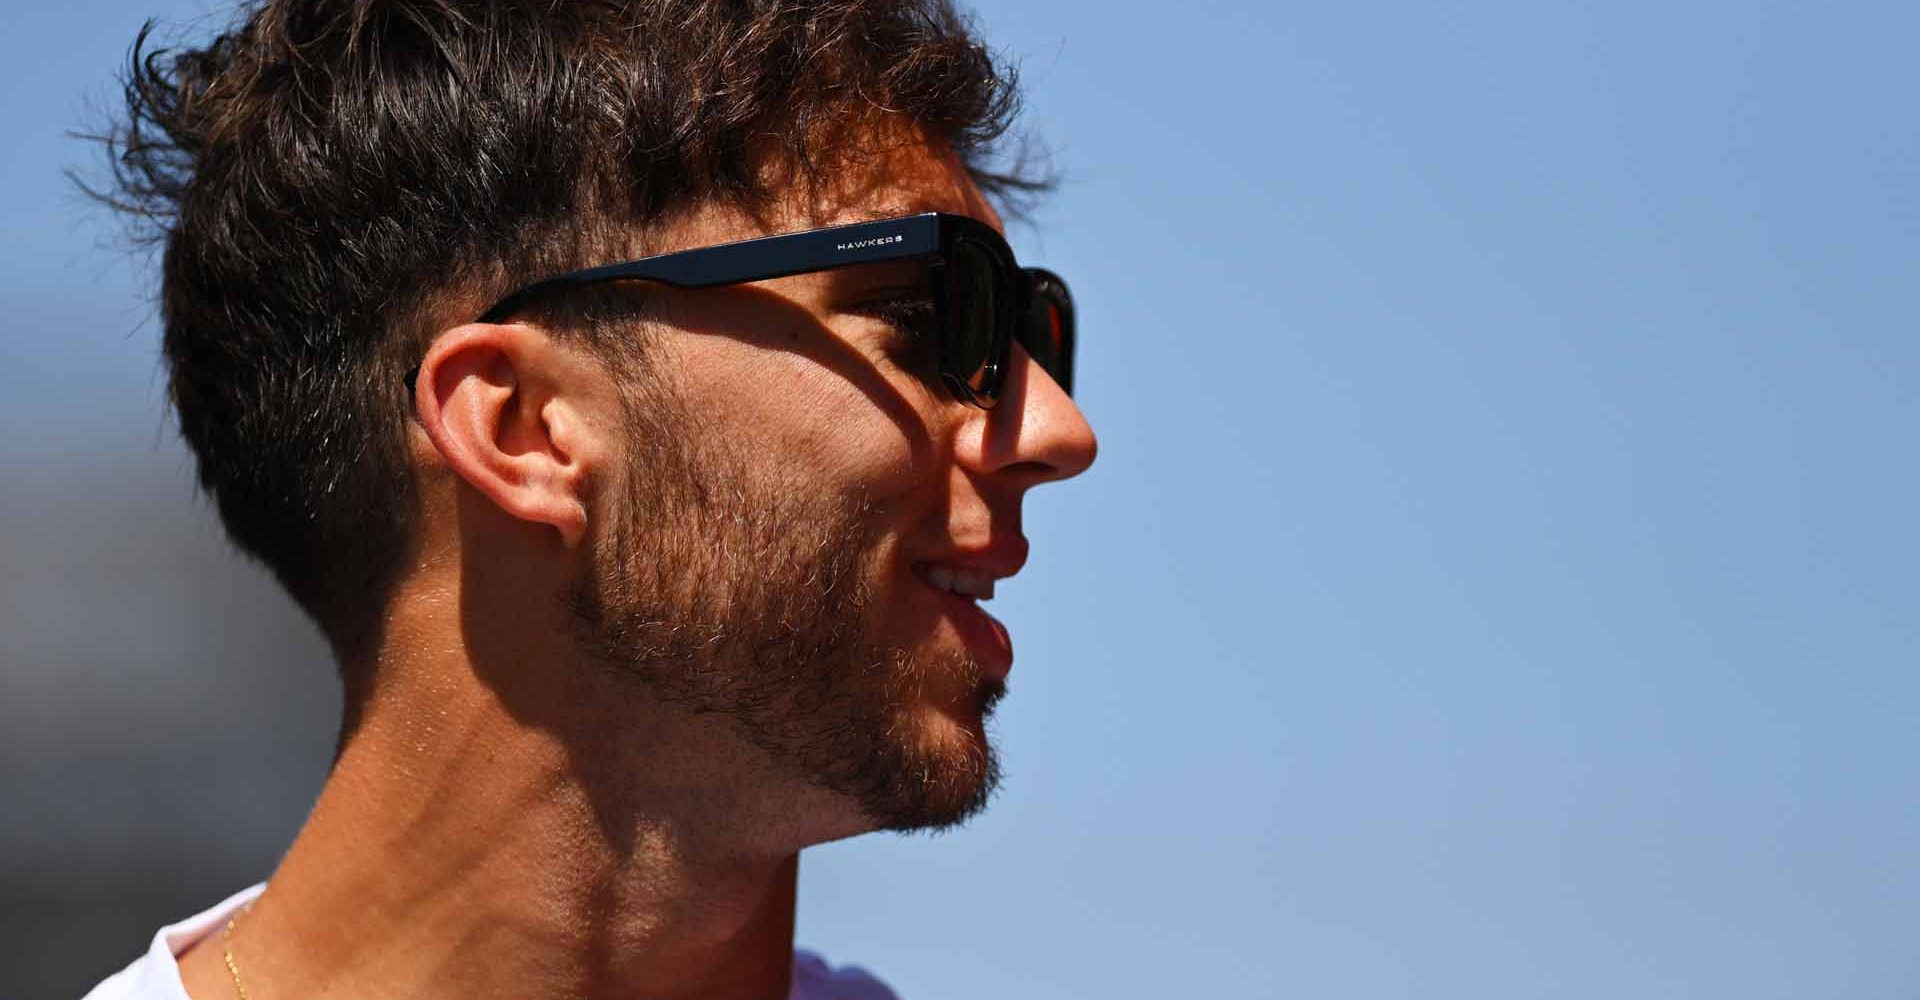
[(156, 975)]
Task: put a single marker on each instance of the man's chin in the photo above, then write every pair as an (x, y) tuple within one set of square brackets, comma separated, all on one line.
[(946, 802), (947, 771)]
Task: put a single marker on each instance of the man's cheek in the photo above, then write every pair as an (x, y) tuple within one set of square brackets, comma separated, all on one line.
[(858, 459)]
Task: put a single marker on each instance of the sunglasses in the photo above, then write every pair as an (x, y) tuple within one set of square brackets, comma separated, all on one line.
[(983, 302)]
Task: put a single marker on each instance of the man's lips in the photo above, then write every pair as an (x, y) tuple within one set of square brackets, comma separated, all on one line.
[(960, 586), (985, 638)]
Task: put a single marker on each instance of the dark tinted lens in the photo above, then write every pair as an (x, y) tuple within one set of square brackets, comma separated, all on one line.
[(1044, 338), (1048, 331), (973, 304)]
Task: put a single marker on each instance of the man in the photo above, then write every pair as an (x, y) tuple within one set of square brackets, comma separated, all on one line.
[(641, 578)]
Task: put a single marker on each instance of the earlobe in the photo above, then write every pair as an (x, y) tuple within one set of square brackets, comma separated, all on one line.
[(487, 400)]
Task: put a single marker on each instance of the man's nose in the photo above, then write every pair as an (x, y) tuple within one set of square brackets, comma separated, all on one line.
[(1036, 432)]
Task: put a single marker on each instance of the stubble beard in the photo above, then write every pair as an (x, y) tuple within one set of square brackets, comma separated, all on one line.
[(728, 593)]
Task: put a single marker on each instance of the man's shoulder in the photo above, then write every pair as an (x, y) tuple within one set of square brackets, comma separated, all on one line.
[(149, 978), (155, 975), (140, 980), (814, 979)]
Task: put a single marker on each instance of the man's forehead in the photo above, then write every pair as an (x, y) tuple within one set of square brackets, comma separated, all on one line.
[(883, 180), (893, 173)]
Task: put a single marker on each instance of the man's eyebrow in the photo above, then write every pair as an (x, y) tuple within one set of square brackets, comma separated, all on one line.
[(896, 211), (918, 205)]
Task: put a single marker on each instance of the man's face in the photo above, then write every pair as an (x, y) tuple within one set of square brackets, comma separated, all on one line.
[(802, 501)]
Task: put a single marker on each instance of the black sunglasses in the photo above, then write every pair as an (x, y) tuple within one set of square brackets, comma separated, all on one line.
[(982, 300)]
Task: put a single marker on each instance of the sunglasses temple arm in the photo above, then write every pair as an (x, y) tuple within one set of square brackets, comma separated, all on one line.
[(750, 260)]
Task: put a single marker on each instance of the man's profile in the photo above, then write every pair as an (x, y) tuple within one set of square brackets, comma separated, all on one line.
[(640, 396)]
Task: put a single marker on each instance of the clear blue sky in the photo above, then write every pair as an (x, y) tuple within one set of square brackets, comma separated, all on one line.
[(1499, 579)]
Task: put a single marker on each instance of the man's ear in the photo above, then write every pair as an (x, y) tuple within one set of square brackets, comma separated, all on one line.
[(488, 396)]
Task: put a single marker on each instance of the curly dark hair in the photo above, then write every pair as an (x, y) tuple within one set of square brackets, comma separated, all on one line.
[(327, 175)]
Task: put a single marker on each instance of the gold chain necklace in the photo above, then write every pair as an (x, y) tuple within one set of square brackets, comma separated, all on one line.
[(226, 942)]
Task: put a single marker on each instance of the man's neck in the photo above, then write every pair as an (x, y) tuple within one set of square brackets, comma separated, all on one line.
[(476, 852)]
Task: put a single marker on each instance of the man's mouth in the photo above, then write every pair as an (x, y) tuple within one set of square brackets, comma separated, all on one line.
[(961, 590), (965, 582)]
